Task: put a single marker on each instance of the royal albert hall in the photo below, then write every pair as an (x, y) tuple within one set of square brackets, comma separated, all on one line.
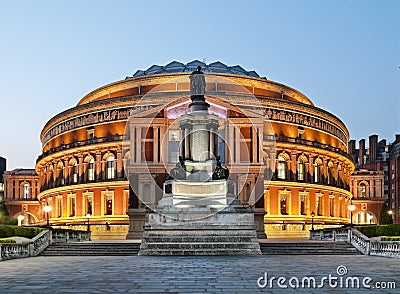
[(297, 166)]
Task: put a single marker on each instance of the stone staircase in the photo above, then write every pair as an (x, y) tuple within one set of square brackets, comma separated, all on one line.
[(92, 249), (308, 248), (199, 242)]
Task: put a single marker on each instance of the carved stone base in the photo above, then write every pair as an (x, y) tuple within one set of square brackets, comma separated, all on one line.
[(137, 219)]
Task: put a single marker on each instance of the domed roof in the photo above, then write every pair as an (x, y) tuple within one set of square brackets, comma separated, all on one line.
[(176, 66)]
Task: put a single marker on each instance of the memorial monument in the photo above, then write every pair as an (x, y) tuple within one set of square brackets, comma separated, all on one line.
[(199, 213)]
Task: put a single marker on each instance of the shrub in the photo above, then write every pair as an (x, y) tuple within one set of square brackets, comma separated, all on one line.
[(6, 231), (10, 231), (385, 218), (379, 230), (396, 238), (6, 240)]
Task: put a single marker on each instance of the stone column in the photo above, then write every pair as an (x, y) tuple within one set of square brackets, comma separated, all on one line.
[(187, 140), (211, 142)]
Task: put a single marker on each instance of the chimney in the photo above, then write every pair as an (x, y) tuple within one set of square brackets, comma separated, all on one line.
[(361, 152), (351, 147), (397, 138), (373, 146), (351, 150)]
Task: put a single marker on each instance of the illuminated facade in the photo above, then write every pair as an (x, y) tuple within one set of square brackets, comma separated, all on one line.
[(81, 168), (383, 158), (21, 188)]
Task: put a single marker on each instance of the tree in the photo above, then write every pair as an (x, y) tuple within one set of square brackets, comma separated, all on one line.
[(385, 218)]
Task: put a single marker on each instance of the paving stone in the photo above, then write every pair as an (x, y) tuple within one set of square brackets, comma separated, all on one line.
[(140, 274)]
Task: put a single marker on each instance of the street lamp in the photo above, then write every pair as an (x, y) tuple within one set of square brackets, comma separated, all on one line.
[(312, 220), (370, 217), (351, 208), (47, 209), (88, 225), (20, 218)]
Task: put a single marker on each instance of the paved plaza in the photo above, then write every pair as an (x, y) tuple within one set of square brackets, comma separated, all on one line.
[(140, 274)]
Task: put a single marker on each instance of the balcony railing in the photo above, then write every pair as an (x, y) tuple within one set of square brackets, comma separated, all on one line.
[(75, 144), (284, 139)]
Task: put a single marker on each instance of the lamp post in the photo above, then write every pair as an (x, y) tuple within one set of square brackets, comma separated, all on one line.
[(351, 208), (312, 220), (88, 225), (47, 209), (20, 218), (370, 217)]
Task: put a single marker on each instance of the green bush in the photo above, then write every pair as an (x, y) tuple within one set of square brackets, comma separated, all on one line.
[(6, 231), (379, 230), (396, 238), (11, 231), (5, 240)]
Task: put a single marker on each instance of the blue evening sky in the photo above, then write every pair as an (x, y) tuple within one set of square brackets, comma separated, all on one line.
[(344, 55)]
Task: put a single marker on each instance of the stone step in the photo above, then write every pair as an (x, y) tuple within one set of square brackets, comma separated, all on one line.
[(197, 245), (185, 239), (308, 248), (92, 249), (176, 232), (177, 252)]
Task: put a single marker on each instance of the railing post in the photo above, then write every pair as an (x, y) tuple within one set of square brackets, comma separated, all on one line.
[(334, 234), (1, 250), (30, 249), (349, 236)]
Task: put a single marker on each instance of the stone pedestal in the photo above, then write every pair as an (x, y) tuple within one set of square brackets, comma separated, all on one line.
[(137, 219), (208, 232)]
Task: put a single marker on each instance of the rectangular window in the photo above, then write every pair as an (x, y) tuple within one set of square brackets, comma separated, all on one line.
[(332, 207), (59, 206), (72, 205), (318, 205), (109, 205), (89, 205), (283, 204), (302, 205)]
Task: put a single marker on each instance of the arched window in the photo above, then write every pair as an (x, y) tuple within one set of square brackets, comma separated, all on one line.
[(90, 170), (75, 173), (26, 191), (111, 167), (363, 190), (281, 168), (300, 170), (317, 172)]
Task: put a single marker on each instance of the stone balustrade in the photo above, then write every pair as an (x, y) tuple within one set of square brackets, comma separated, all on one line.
[(36, 245), (361, 242)]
